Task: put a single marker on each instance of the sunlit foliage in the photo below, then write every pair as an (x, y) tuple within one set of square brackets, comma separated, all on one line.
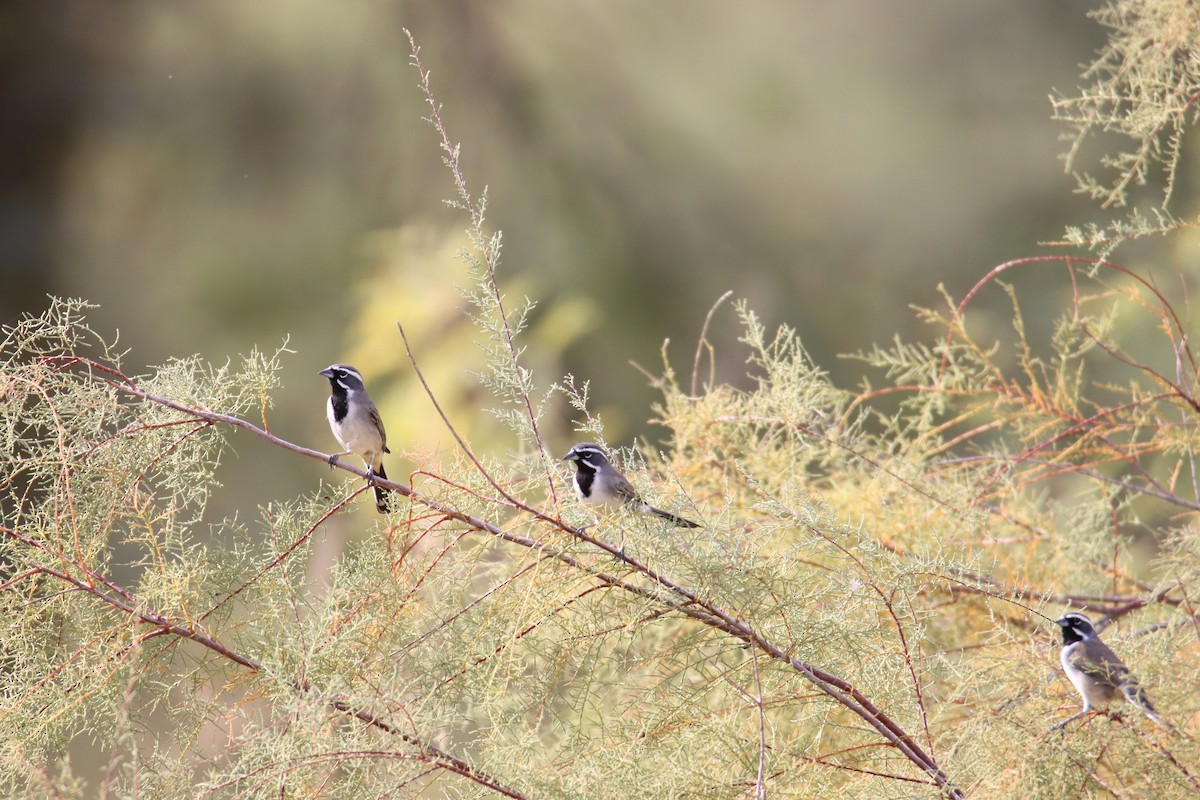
[(866, 610)]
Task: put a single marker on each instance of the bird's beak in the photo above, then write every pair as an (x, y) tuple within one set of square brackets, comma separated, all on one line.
[(570, 456), (327, 372)]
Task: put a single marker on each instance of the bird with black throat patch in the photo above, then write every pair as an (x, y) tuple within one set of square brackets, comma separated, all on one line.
[(598, 483), (356, 425), (1096, 672)]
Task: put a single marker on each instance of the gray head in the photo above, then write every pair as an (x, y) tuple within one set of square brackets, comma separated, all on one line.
[(1076, 627), (587, 456), (344, 376)]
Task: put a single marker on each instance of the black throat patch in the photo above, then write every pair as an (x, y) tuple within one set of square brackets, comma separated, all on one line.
[(341, 403), (1070, 635), (584, 478)]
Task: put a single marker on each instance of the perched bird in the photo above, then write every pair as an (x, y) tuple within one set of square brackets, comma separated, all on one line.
[(599, 483), (1096, 671), (356, 425)]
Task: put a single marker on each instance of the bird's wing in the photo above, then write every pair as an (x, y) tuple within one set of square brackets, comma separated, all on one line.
[(1100, 663), (375, 418), (624, 489)]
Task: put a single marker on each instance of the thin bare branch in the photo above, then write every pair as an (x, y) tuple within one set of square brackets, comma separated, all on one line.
[(702, 343)]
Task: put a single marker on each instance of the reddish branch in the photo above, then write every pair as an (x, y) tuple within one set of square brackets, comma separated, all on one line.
[(1172, 324), (490, 249), (687, 602), (105, 590)]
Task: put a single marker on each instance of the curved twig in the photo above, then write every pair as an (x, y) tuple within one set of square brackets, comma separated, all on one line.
[(702, 342)]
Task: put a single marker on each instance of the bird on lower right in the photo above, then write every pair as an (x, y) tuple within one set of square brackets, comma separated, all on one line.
[(1097, 673), (598, 483)]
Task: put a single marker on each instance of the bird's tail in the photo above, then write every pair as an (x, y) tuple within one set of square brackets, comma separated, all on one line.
[(1136, 695), (667, 515), (381, 494)]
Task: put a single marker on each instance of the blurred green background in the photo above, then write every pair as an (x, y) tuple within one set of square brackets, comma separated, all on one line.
[(228, 174)]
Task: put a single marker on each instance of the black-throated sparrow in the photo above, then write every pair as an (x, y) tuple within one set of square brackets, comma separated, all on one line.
[(1096, 671), (356, 425), (599, 483)]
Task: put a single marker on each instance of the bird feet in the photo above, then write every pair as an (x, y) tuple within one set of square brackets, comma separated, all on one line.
[(1060, 725), (333, 459)]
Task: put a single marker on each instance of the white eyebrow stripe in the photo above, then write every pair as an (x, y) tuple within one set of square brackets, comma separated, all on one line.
[(346, 368)]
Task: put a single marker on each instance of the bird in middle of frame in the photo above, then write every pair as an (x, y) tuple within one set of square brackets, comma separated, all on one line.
[(598, 483), (356, 424), (1097, 673)]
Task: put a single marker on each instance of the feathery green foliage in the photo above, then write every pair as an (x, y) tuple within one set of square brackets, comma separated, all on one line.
[(1143, 96)]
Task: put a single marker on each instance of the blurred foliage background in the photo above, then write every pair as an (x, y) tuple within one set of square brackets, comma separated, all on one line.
[(228, 174)]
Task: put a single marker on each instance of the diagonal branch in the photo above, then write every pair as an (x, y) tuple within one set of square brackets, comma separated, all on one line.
[(125, 602), (686, 601)]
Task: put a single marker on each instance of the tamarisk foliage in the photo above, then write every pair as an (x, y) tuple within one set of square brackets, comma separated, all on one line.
[(864, 613), (1127, 125)]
